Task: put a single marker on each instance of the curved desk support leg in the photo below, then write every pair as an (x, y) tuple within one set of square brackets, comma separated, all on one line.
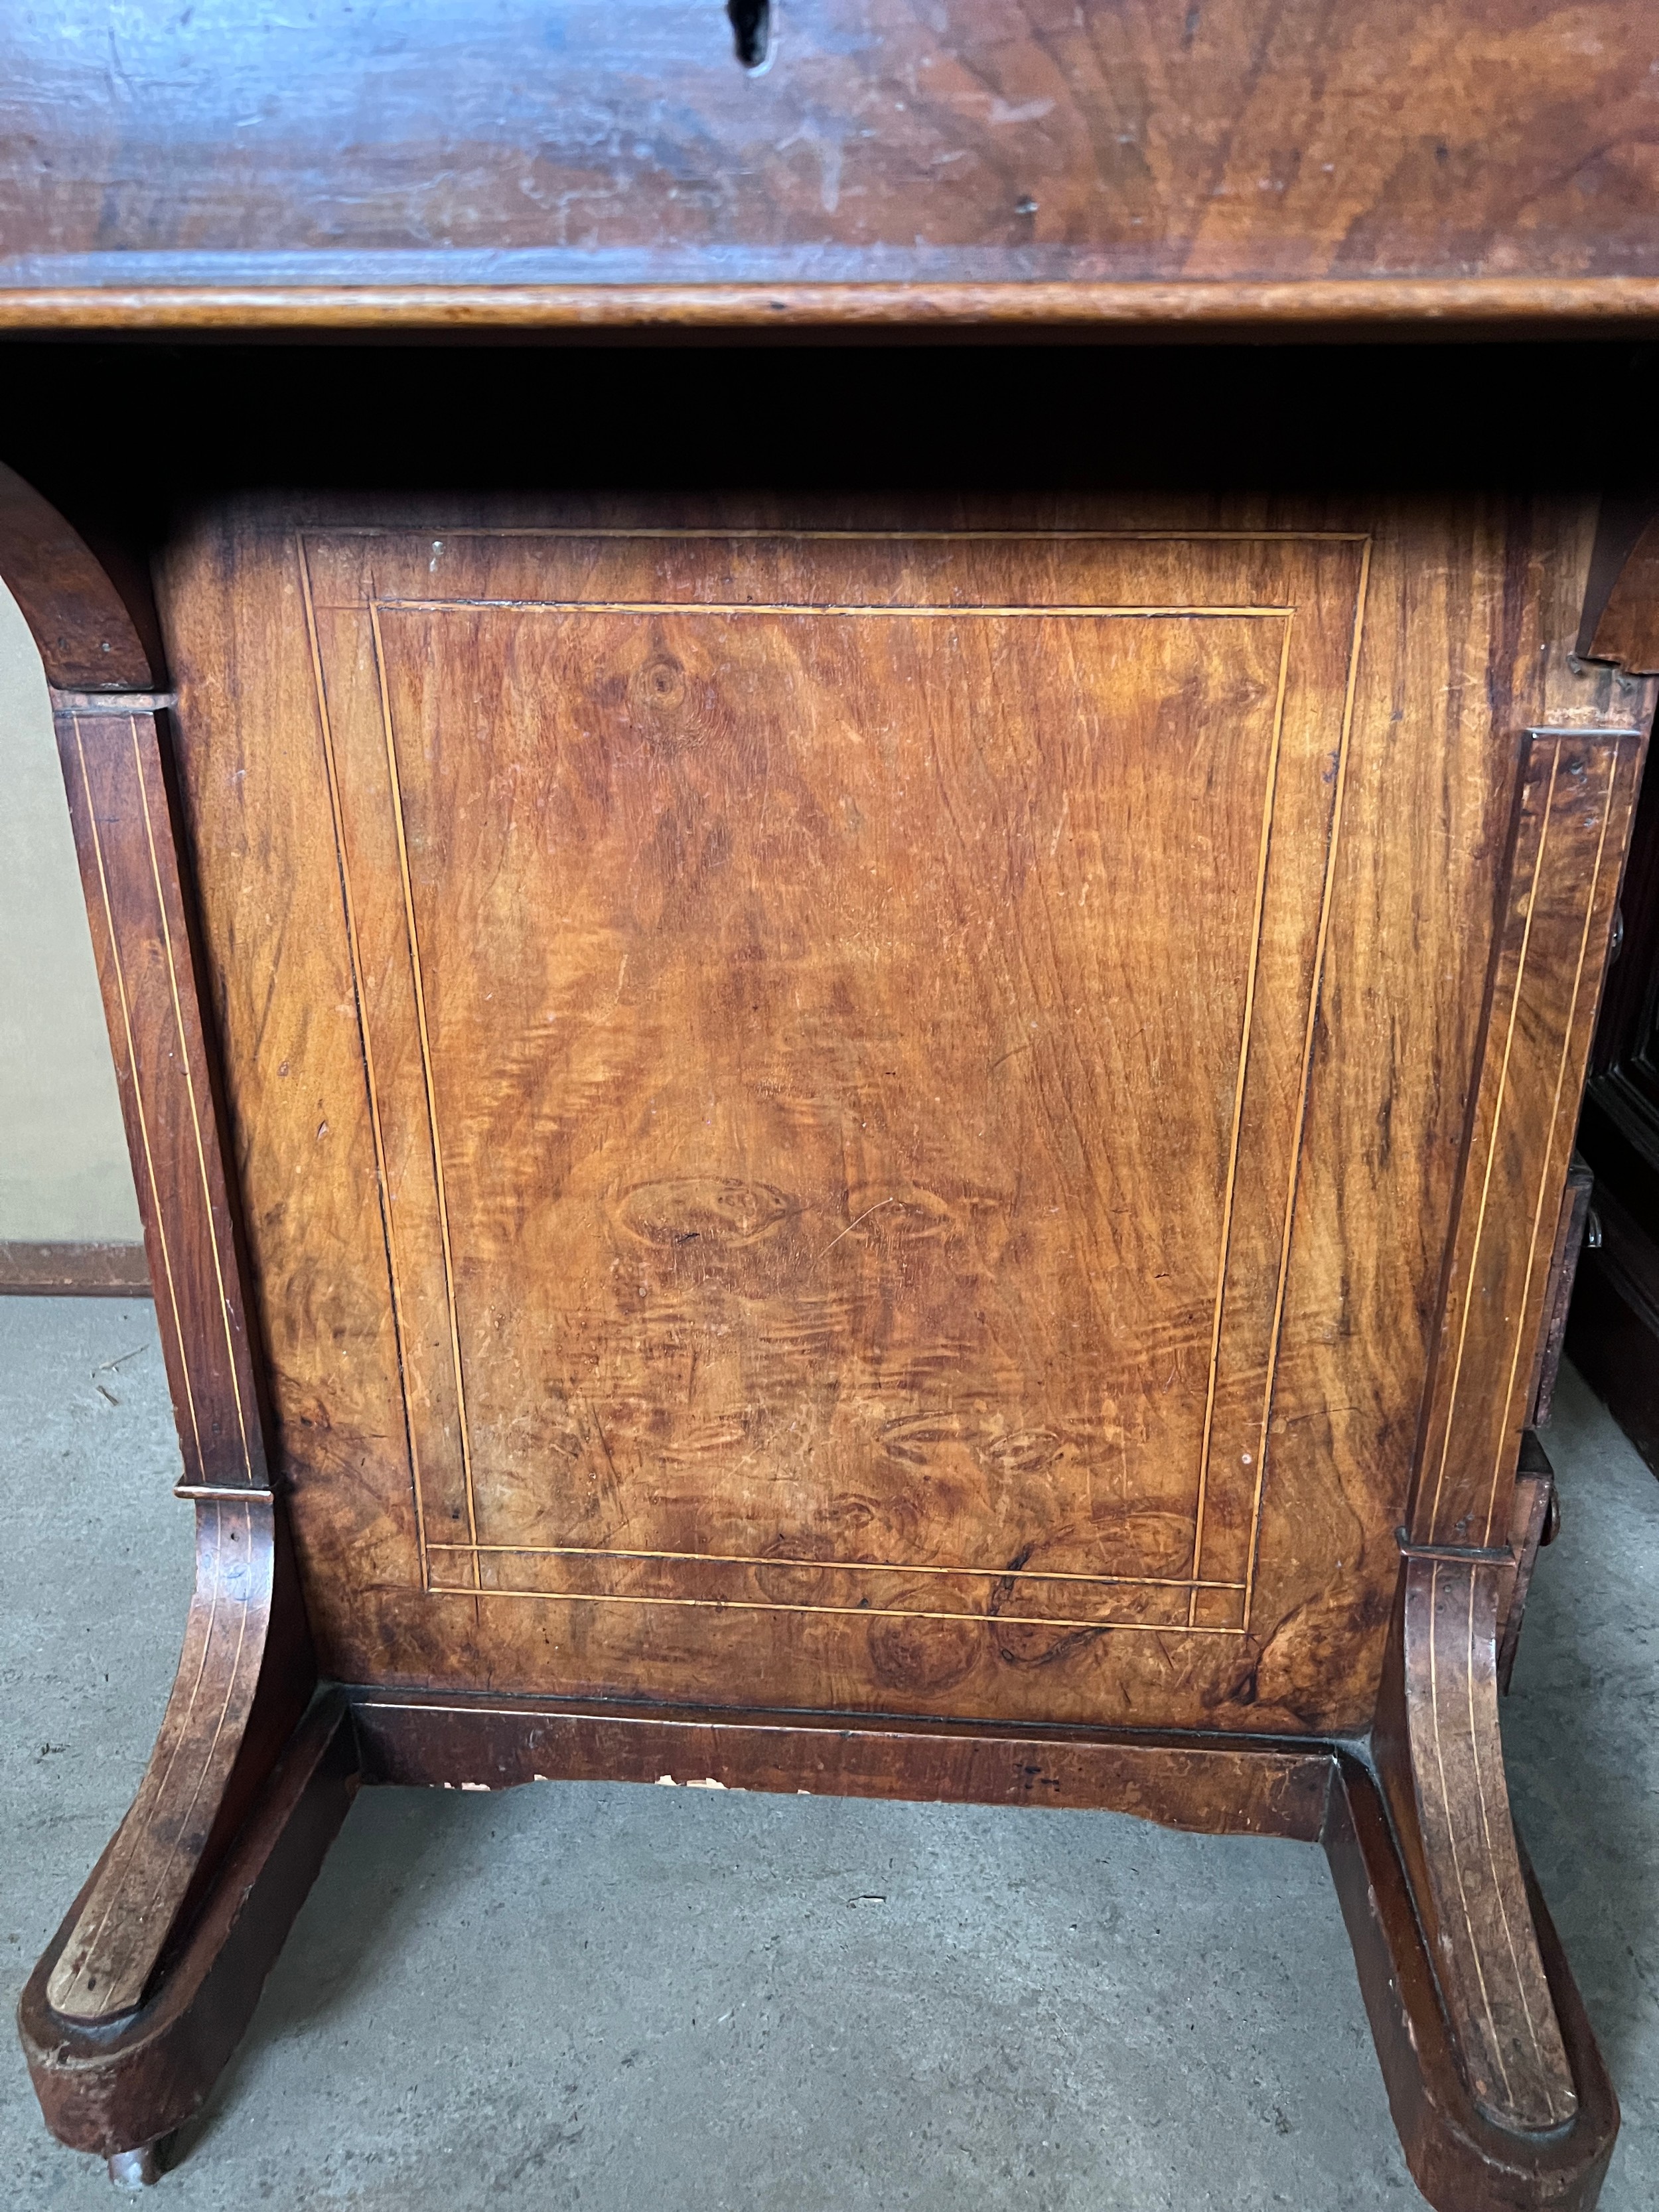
[(1460, 2160), (1441, 1762), (117, 2087), (142, 1995), (235, 1700), (1493, 2077), (1497, 2086)]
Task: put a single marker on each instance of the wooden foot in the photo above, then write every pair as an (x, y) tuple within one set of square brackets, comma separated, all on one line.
[(244, 1676), (1496, 2084), (1441, 1761), (106, 2085)]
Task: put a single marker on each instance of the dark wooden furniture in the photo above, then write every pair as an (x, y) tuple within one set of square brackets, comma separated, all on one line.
[(597, 166), (913, 1141)]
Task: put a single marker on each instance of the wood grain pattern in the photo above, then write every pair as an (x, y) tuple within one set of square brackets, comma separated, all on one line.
[(1208, 1784), (804, 1157), (119, 806), (1442, 1762), (1460, 2158), (182, 298), (1578, 793), (709, 839), (841, 900), (135, 1899), (488, 147), (85, 634)]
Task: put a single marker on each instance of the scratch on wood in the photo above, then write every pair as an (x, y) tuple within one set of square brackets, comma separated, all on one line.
[(850, 1227)]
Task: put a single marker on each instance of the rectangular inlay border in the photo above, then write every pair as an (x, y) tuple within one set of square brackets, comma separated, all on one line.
[(1159, 1603)]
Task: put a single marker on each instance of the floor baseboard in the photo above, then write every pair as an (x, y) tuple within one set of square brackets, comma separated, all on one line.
[(74, 1271)]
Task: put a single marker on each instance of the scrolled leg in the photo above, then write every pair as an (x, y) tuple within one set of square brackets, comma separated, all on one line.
[(145, 1990), (111, 2086), (1498, 2089), (243, 1681)]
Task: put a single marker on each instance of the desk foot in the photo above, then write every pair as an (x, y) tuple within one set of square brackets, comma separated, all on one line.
[(1495, 2085), (106, 2085), (245, 1677)]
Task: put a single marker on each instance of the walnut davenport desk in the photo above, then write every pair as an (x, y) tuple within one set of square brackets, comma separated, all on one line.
[(912, 1144)]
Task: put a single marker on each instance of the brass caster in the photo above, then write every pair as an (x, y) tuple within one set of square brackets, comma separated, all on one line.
[(136, 2169)]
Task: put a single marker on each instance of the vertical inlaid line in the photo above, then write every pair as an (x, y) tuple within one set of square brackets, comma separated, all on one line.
[(195, 1109), (1321, 939), (1492, 1136), (330, 769), (1481, 1787), (1268, 800), (155, 1211), (1254, 980), (204, 1763), (1545, 1176), (431, 1087), (1444, 1820)]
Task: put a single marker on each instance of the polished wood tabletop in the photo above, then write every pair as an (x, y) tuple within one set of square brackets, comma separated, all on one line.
[(503, 162)]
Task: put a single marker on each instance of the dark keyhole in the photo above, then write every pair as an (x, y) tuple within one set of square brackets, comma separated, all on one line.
[(751, 29)]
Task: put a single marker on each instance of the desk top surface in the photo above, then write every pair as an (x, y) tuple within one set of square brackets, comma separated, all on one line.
[(469, 161)]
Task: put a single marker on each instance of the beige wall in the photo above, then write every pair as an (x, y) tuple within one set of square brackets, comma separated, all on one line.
[(64, 1172)]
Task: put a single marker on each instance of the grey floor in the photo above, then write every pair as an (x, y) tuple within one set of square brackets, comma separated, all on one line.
[(616, 1998)]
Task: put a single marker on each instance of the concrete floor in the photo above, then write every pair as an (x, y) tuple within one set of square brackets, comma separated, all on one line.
[(613, 1998)]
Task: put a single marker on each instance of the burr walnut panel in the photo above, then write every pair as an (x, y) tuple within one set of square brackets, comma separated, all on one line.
[(843, 1114), (752, 941)]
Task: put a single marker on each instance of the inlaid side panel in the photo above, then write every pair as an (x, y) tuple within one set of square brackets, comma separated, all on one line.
[(780, 998), (1573, 823), (690, 1275)]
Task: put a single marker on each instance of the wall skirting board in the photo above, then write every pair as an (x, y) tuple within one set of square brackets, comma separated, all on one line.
[(84, 1271)]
